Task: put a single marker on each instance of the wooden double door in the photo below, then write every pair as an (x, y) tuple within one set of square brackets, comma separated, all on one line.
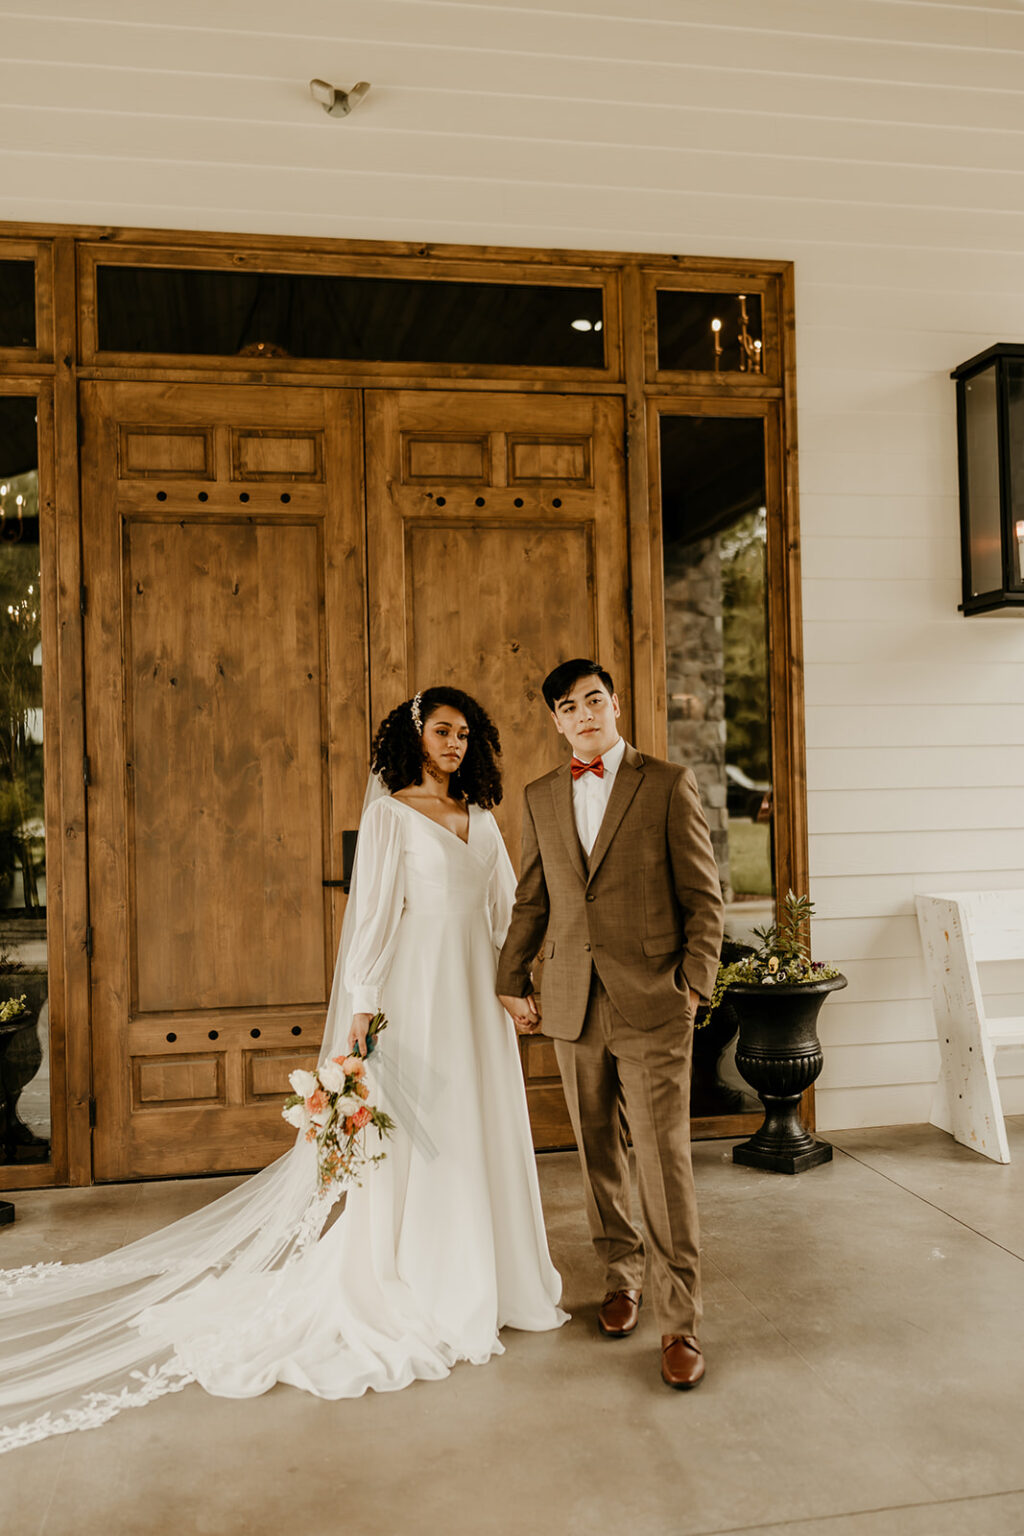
[(269, 570)]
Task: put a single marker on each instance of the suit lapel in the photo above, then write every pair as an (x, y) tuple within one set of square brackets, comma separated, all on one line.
[(561, 792), (627, 782)]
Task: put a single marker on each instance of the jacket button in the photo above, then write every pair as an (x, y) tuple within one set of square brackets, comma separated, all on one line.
[(589, 896)]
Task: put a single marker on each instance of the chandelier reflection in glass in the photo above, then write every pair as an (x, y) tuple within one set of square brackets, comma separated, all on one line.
[(750, 359), (13, 511)]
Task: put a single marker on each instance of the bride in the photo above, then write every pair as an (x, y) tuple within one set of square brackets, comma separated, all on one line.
[(442, 1245)]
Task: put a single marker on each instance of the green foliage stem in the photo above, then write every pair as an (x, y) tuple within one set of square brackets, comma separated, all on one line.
[(782, 956)]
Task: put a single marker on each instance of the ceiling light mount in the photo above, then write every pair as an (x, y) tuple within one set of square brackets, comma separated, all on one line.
[(335, 102)]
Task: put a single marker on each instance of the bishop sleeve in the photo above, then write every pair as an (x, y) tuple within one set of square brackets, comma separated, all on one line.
[(529, 920), (378, 897), (501, 892)]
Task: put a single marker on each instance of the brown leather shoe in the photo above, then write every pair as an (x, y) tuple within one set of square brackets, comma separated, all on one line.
[(620, 1313), (682, 1364)]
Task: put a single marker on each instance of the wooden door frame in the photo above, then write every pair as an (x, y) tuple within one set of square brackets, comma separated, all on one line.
[(66, 255)]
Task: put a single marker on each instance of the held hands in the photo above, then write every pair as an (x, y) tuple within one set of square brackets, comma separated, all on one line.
[(524, 1012), (357, 1034)]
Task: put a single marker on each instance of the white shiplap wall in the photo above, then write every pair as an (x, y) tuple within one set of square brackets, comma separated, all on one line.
[(877, 143)]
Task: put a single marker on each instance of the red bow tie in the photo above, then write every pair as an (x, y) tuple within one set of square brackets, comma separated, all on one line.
[(578, 769)]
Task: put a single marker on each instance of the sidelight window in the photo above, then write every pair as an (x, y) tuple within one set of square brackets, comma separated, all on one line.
[(24, 989), (714, 528)]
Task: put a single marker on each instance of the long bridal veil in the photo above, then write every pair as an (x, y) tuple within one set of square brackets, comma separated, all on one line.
[(71, 1352)]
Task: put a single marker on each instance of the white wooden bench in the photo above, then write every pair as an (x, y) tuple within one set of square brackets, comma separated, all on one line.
[(959, 931)]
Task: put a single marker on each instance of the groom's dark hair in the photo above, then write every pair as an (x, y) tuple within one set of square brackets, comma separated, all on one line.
[(567, 674)]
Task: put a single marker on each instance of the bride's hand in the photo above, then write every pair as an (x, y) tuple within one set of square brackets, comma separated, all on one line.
[(524, 1013), (357, 1034)]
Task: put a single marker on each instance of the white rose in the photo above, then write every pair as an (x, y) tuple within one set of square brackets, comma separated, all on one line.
[(320, 1116), (303, 1082), (296, 1115), (348, 1105), (332, 1076)]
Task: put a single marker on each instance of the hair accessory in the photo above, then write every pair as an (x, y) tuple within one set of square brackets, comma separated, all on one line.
[(417, 718)]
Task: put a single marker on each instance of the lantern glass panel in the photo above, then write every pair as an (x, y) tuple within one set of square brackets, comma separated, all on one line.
[(981, 432), (1015, 396)]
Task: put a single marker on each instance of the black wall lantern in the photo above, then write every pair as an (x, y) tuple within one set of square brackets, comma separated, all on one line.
[(990, 434)]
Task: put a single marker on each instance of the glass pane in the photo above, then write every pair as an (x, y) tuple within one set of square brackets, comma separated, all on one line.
[(24, 1011), (17, 304), (709, 332), (1015, 377), (982, 448), (719, 719), (364, 319)]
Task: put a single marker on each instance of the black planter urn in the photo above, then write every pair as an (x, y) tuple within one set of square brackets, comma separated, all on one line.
[(779, 1055)]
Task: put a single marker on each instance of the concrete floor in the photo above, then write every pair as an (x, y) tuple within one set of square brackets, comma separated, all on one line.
[(864, 1329)]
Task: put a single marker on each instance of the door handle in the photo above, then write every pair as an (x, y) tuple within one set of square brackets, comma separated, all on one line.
[(349, 839)]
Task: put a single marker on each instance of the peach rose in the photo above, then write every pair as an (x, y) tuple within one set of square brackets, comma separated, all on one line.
[(354, 1066)]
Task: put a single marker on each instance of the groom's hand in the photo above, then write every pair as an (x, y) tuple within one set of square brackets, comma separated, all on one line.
[(524, 1012)]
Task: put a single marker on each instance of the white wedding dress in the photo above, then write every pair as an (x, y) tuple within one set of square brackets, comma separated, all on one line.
[(441, 1246)]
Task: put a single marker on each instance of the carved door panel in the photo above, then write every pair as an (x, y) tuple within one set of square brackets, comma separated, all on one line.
[(224, 689), (497, 547)]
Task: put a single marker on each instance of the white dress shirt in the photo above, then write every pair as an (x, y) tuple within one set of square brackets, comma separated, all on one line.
[(590, 796)]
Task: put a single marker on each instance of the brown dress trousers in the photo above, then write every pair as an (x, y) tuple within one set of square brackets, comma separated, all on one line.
[(624, 935)]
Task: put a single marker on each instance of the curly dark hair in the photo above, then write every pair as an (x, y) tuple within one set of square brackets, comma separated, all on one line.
[(397, 752)]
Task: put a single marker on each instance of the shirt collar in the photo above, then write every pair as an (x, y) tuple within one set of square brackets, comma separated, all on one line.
[(612, 758)]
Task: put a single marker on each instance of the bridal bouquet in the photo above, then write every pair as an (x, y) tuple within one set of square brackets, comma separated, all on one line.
[(332, 1107)]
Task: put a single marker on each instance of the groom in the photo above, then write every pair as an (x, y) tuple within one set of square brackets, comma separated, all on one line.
[(619, 894)]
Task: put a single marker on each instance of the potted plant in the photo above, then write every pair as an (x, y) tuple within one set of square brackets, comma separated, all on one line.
[(776, 991)]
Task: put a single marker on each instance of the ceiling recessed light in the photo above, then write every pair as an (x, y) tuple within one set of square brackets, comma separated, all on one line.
[(582, 325)]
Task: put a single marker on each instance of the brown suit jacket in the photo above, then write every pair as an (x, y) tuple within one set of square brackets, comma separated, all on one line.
[(645, 910)]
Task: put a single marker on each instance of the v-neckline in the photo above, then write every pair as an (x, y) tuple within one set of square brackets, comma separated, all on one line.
[(439, 825)]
